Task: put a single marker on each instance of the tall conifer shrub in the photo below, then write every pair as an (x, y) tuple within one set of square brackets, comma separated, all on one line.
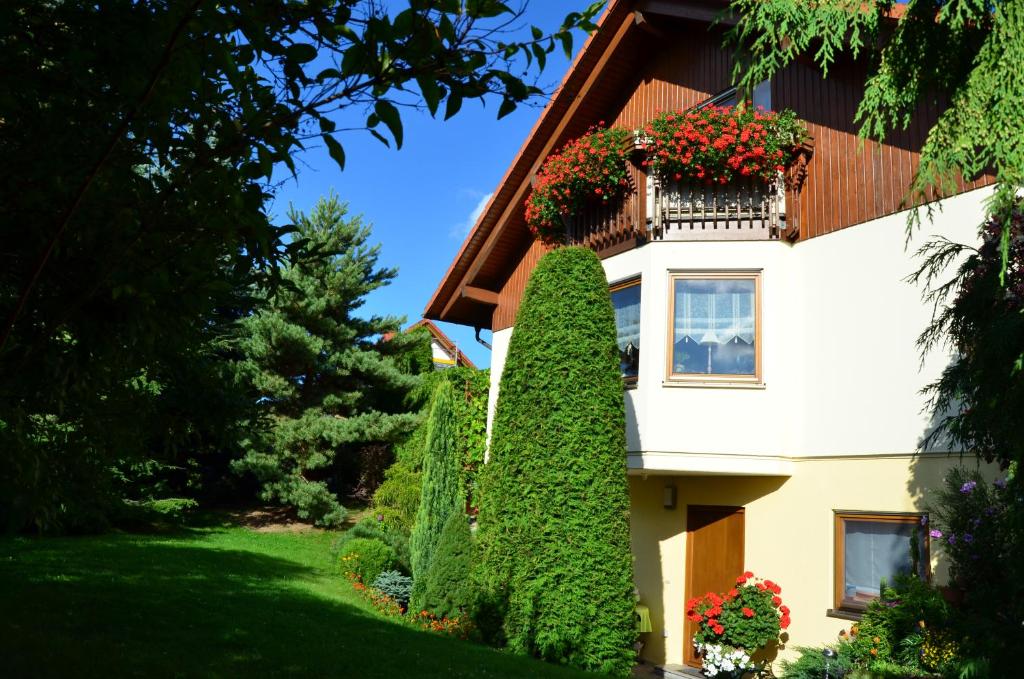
[(554, 517), (442, 493)]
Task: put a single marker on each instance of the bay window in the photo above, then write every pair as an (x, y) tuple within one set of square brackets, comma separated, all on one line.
[(626, 302)]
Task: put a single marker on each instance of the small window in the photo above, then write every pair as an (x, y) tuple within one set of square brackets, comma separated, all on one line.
[(871, 548), (714, 332), (626, 301)]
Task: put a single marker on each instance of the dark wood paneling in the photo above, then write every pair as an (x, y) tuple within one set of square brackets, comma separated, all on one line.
[(512, 292)]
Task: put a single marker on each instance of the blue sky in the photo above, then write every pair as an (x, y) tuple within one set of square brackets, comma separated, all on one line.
[(423, 199)]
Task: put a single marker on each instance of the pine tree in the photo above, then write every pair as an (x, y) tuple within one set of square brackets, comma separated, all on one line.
[(554, 516), (442, 493), (325, 380)]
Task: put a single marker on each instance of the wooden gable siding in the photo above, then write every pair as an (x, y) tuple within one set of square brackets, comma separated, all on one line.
[(848, 182)]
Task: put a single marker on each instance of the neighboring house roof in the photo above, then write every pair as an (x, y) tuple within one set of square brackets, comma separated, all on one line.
[(446, 343)]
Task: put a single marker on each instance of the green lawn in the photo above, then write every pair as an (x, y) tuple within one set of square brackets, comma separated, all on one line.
[(220, 602)]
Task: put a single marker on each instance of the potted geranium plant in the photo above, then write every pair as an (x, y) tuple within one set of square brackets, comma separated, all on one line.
[(734, 625), (589, 169), (715, 145)]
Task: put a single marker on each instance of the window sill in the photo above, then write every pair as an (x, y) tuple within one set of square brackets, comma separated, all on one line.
[(844, 615), (712, 384), (629, 386)]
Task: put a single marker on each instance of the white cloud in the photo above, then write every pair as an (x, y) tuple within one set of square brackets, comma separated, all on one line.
[(462, 230)]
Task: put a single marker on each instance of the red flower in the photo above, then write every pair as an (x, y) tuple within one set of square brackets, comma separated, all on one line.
[(777, 589), (784, 622), (748, 612), (784, 610), (742, 580), (748, 574), (776, 601)]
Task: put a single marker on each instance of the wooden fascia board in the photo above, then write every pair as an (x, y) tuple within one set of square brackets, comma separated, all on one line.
[(628, 22)]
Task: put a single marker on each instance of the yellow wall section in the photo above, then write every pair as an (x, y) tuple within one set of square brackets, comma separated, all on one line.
[(788, 535)]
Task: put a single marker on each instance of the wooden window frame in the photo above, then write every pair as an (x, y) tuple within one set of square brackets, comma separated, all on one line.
[(703, 379), (622, 285), (841, 605)]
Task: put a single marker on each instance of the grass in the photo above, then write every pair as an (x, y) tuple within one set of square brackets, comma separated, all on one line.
[(219, 601)]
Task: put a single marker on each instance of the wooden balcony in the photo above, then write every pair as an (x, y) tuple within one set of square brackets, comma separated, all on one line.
[(741, 210)]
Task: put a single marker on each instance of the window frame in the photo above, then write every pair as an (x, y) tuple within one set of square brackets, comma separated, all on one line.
[(704, 379), (839, 602), (622, 284)]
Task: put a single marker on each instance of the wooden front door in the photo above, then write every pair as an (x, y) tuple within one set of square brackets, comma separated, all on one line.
[(714, 557)]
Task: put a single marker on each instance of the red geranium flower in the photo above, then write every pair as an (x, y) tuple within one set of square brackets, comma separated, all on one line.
[(748, 612)]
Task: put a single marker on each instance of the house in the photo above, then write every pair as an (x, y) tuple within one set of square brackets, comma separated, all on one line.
[(444, 352), (772, 381)]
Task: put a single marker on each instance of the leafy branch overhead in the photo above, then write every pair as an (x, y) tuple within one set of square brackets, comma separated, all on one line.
[(139, 146), (964, 54)]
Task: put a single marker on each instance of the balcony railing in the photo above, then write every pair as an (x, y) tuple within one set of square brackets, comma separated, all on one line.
[(746, 209)]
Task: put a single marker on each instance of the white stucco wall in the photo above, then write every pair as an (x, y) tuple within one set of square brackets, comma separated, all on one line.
[(841, 372)]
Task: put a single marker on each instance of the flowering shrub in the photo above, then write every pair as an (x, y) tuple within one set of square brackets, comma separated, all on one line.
[(724, 660), (749, 616), (717, 144), (590, 168), (458, 627)]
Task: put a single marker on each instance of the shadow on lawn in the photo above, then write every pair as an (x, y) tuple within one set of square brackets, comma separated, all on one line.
[(125, 606)]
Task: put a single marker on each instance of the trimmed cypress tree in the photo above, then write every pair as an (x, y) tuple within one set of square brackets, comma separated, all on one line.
[(442, 493), (554, 517), (448, 589)]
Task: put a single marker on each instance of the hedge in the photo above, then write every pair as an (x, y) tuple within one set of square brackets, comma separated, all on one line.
[(554, 517)]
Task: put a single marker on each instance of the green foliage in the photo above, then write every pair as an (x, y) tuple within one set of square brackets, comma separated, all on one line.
[(968, 50), (442, 494), (394, 585), (367, 558), (324, 383), (371, 529), (398, 498), (135, 217), (449, 589), (810, 663), (892, 629), (555, 501), (976, 524)]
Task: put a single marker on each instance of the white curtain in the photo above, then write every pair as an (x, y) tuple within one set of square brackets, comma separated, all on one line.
[(874, 550)]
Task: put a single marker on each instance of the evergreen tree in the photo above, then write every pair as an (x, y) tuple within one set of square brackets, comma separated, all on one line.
[(442, 493), (326, 381), (448, 589), (554, 516)]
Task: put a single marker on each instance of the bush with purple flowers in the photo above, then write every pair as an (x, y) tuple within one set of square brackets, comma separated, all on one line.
[(972, 521)]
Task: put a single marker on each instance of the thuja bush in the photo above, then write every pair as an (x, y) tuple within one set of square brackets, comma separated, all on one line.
[(448, 589), (554, 516), (442, 493), (367, 558)]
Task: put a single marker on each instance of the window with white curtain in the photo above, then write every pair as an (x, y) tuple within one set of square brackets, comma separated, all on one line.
[(714, 326), (626, 302), (873, 548)]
